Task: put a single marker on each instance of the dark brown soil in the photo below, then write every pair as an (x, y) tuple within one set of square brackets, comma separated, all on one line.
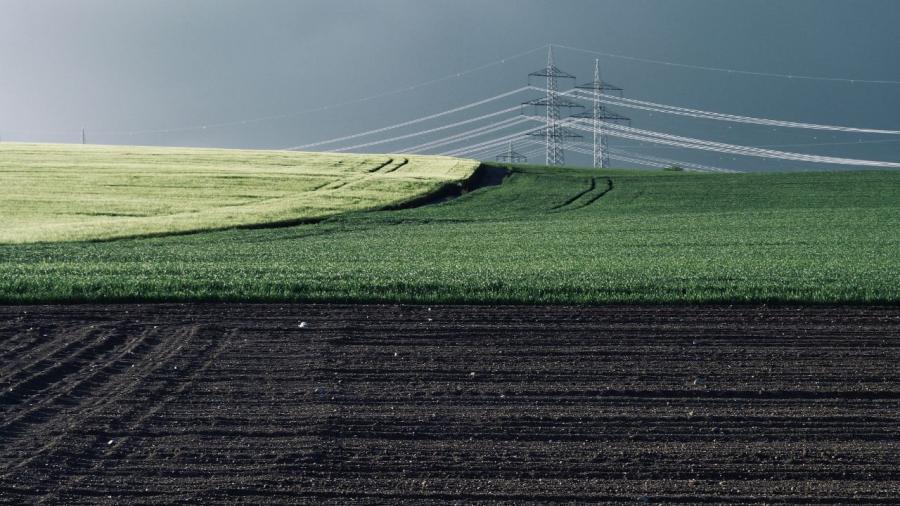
[(333, 404)]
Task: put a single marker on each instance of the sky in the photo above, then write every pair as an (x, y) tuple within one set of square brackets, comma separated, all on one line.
[(271, 74)]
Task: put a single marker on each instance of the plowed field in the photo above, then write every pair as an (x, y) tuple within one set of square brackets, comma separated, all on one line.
[(214, 403)]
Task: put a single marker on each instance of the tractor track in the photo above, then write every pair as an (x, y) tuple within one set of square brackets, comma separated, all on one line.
[(586, 197), (394, 167), (592, 184), (381, 166), (282, 403)]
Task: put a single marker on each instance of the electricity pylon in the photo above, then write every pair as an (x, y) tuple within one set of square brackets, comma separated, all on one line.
[(511, 156), (553, 132), (600, 114)]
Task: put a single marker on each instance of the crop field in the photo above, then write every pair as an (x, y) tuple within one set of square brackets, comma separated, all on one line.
[(557, 236), (633, 336), (73, 192), (299, 404)]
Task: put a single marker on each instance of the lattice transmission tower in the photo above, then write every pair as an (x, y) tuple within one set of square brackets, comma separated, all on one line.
[(599, 114), (511, 156), (553, 132)]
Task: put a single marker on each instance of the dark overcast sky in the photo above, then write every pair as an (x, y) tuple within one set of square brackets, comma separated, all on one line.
[(123, 65)]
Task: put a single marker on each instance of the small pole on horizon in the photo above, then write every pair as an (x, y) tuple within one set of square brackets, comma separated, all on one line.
[(82, 136)]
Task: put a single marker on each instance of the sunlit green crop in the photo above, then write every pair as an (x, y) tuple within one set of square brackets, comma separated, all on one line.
[(74, 192)]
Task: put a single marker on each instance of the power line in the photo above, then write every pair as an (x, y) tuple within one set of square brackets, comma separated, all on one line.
[(493, 142), (486, 153), (617, 154), (692, 143), (588, 95), (730, 70), (668, 162), (478, 132), (518, 143), (337, 105), (410, 122), (428, 131), (651, 160), (511, 156), (697, 113), (803, 144), (581, 94), (490, 144)]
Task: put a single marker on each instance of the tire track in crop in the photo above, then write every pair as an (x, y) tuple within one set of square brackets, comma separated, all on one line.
[(330, 403), (592, 183), (596, 197), (586, 197), (401, 163), (390, 164), (381, 166)]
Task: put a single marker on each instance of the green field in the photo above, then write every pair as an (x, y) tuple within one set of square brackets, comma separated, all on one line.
[(73, 192), (544, 236)]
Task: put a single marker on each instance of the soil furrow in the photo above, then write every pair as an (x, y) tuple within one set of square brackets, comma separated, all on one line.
[(280, 403)]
